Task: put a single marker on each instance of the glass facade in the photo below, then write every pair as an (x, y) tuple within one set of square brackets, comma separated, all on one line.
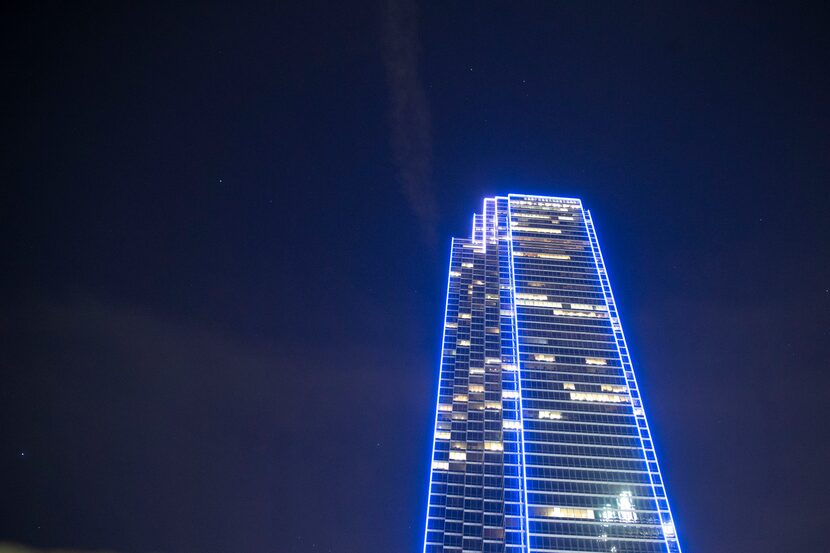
[(541, 441)]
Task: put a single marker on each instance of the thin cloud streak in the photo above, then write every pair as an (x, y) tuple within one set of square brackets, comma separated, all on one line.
[(409, 114)]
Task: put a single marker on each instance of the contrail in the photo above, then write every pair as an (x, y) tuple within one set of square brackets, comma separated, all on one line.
[(409, 115)]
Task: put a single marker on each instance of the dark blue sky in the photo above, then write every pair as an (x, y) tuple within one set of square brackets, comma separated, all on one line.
[(225, 231)]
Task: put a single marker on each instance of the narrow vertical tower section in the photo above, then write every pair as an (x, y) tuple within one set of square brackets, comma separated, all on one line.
[(466, 501), (666, 520), (541, 440), (514, 519)]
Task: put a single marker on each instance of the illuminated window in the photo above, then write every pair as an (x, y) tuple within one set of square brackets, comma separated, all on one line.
[(510, 394), (440, 465), (455, 274), (570, 512), (533, 216), (511, 425), (463, 342), (625, 509), (544, 357), (600, 398), (460, 398), (558, 256), (552, 415), (492, 360), (476, 370), (468, 265), (625, 505), (493, 404), (569, 313), (508, 367), (613, 388), (569, 385), (442, 435), (464, 316), (452, 325), (493, 446), (476, 388), (538, 303), (458, 456), (444, 407), (595, 361), (518, 228), (531, 297)]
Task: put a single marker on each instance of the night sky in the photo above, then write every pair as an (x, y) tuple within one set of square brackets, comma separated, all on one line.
[(225, 231)]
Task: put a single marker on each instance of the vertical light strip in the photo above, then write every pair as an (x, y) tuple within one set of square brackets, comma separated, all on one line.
[(492, 202), (438, 395), (511, 376), (610, 303), (518, 360), (484, 224)]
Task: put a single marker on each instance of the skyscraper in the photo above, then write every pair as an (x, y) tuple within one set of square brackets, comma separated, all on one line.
[(541, 441)]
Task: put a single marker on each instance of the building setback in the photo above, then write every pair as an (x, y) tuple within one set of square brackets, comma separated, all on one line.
[(541, 441)]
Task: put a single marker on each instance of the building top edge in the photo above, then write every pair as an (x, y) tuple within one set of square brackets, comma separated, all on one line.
[(533, 197), (547, 198)]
